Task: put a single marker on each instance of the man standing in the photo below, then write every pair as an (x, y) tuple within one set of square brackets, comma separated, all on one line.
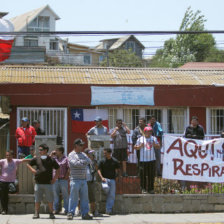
[(43, 178), (137, 133), (36, 125), (121, 144), (8, 168), (194, 130), (158, 133), (78, 162), (107, 170), (26, 137), (147, 145), (61, 184), (98, 129)]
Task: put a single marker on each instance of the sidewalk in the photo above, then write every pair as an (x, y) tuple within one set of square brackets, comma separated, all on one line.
[(129, 219)]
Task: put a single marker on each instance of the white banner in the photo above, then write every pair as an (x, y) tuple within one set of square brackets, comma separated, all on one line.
[(193, 160)]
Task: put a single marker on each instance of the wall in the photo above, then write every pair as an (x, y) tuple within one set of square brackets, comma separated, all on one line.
[(139, 203)]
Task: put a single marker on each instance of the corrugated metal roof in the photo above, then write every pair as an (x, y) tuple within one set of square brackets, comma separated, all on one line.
[(203, 65), (109, 76)]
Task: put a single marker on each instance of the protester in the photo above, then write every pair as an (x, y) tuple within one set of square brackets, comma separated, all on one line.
[(158, 133), (78, 162), (194, 130), (91, 182), (119, 135), (26, 137), (61, 183), (137, 133), (98, 129), (36, 125), (7, 176), (147, 145), (32, 152), (107, 170), (43, 178)]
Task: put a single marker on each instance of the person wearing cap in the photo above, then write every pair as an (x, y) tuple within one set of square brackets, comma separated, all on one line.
[(147, 145), (119, 136), (98, 129), (26, 137), (91, 182), (78, 162)]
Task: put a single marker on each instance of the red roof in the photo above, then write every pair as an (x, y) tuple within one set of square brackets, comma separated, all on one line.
[(203, 65)]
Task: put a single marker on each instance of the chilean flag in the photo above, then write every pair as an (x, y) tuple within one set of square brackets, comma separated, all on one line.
[(83, 119), (6, 41)]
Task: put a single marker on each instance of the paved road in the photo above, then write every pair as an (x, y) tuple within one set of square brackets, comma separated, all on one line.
[(201, 218)]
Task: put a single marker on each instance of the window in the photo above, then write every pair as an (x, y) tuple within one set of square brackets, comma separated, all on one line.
[(216, 121), (176, 118), (87, 59), (52, 120), (53, 45), (112, 116), (156, 112), (130, 45), (31, 41), (40, 23), (131, 117)]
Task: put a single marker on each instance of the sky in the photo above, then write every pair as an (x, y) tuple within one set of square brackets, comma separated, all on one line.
[(124, 15)]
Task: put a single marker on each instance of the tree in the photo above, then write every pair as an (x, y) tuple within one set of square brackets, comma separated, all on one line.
[(186, 47), (122, 58)]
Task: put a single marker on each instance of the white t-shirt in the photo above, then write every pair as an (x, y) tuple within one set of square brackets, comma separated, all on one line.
[(147, 152)]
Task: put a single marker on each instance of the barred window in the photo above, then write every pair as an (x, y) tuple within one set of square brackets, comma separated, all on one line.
[(216, 121)]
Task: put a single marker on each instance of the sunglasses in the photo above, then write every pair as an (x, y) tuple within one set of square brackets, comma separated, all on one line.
[(41, 150)]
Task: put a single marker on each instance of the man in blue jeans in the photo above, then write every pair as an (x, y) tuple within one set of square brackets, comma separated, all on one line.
[(78, 162), (107, 170)]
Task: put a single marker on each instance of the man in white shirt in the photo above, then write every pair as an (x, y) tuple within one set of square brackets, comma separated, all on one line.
[(147, 145)]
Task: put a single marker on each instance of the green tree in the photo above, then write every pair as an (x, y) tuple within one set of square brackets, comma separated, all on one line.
[(122, 58), (186, 47)]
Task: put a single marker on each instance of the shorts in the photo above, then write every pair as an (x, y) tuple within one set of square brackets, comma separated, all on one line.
[(91, 191), (120, 154), (41, 189)]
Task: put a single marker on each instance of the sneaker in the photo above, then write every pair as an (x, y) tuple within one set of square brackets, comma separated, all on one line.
[(51, 216), (87, 217), (151, 192), (97, 214), (56, 212), (3, 212), (108, 213), (78, 214), (36, 215), (69, 216), (144, 191), (64, 213)]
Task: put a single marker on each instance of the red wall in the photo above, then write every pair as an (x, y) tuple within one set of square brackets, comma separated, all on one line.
[(200, 112), (75, 95)]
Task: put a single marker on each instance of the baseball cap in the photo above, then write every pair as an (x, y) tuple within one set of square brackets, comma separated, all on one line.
[(25, 119), (79, 141), (98, 118), (147, 129), (89, 151)]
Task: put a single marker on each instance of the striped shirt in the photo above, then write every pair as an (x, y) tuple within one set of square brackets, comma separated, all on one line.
[(78, 164)]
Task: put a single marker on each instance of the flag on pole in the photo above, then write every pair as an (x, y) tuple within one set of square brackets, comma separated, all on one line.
[(83, 119), (6, 41)]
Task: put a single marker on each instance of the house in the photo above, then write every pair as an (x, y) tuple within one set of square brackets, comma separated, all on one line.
[(32, 48), (81, 55), (125, 42), (50, 94)]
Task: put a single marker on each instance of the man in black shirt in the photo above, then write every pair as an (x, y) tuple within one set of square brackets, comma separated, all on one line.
[(107, 170), (43, 178), (36, 125), (194, 131)]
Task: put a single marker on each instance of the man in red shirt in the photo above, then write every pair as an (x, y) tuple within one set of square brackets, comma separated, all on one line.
[(26, 137)]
